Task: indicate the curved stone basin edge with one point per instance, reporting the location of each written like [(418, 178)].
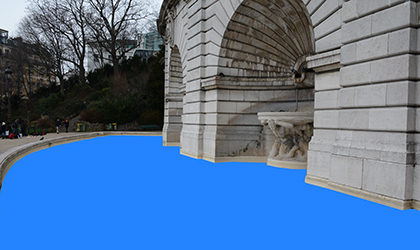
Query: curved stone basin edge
[(12, 155)]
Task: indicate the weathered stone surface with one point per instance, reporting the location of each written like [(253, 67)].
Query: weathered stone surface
[(346, 171), (416, 183), (326, 100), (389, 179), (227, 61), (328, 26)]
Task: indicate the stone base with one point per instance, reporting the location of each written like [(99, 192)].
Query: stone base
[(416, 205), (171, 144), (255, 159), (381, 199), (171, 134), (286, 164)]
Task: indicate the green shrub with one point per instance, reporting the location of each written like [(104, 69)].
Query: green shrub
[(95, 96), (151, 117), (71, 107), (121, 109), (45, 122), (92, 116), (52, 101)]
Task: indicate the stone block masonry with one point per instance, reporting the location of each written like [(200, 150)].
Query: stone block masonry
[(354, 62)]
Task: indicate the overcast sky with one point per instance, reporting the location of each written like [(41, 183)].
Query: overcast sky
[(14, 10)]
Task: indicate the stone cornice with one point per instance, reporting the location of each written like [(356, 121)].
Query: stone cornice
[(325, 61), (219, 82)]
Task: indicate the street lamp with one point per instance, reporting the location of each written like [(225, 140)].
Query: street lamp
[(8, 73)]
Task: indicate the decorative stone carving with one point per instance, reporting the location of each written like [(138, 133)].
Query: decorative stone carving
[(293, 131), (169, 33)]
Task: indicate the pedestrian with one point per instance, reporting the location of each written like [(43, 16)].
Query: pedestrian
[(3, 130), (15, 127), (58, 125), (24, 127), (84, 105), (66, 124)]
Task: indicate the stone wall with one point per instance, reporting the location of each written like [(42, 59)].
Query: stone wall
[(232, 59), (173, 98), (365, 138)]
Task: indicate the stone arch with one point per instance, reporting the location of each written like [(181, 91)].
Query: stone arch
[(173, 99), (267, 39), (175, 71)]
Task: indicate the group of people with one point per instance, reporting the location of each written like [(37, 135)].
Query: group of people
[(58, 125), (17, 129)]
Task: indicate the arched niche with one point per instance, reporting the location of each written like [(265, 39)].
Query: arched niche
[(267, 39), (174, 88), (175, 71)]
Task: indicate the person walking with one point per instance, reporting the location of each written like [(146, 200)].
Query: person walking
[(3, 130), (15, 127), (24, 127), (66, 124), (58, 125)]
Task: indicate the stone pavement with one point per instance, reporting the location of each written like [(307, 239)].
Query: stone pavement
[(11, 150), (7, 144)]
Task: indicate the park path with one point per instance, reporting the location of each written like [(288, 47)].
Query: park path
[(11, 150), (6, 144)]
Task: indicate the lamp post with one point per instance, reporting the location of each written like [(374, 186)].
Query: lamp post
[(8, 73)]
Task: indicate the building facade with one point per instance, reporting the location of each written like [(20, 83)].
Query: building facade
[(145, 47), (30, 71), (240, 74)]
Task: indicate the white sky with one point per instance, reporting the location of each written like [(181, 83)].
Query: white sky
[(13, 10)]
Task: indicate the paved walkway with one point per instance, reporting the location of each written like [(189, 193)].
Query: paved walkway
[(11, 150), (7, 144)]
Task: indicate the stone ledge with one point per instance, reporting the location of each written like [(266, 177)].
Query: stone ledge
[(377, 198), (12, 155), (254, 83), (286, 164), (326, 61), (255, 159), (171, 144)]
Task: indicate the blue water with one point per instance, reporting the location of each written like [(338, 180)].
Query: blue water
[(128, 192)]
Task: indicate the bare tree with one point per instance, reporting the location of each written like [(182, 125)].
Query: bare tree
[(63, 25), (21, 66), (150, 23), (47, 45), (114, 26)]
